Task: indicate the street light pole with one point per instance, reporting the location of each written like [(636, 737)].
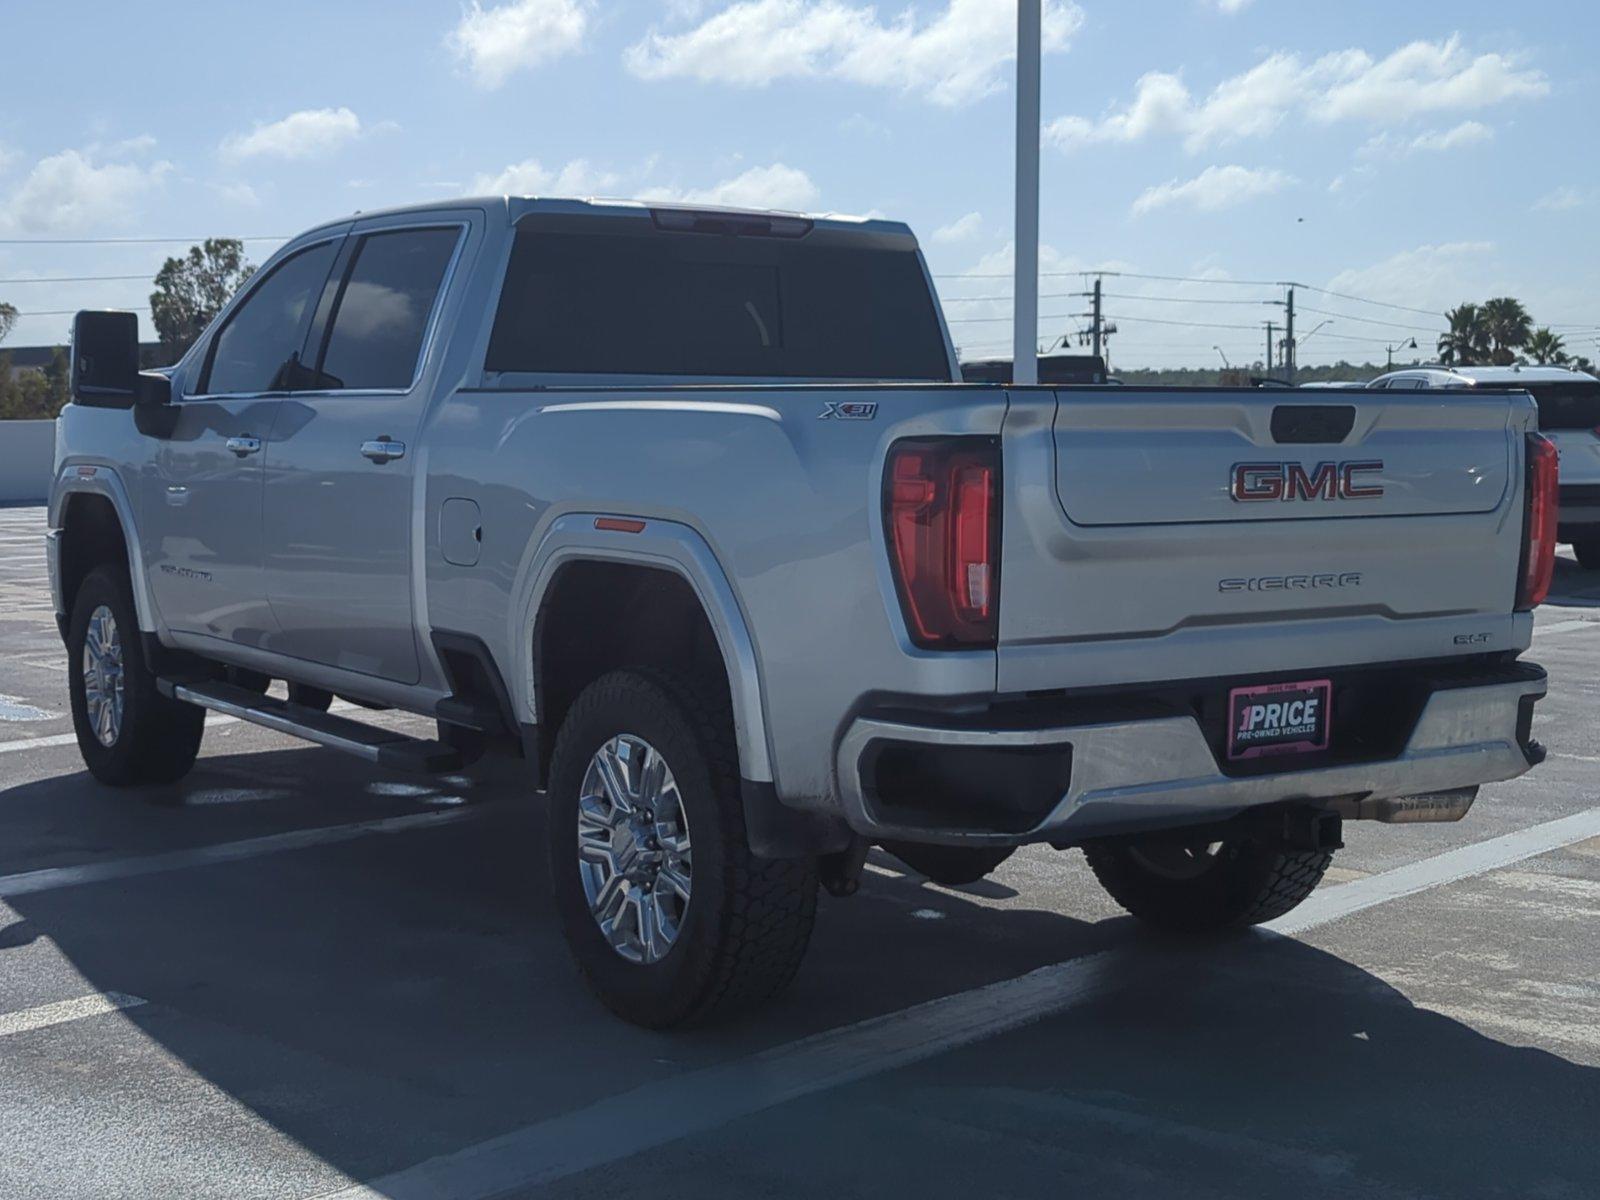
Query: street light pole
[(1025, 291), (1408, 344)]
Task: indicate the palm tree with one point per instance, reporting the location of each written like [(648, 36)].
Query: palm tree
[(1545, 347), (1509, 327), (1467, 342)]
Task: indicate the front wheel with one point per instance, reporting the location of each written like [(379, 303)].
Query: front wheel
[(669, 915), (1205, 886), (128, 732)]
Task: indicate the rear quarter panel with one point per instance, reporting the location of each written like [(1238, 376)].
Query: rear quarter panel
[(787, 500)]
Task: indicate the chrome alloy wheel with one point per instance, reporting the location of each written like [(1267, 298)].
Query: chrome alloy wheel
[(102, 676), (633, 848)]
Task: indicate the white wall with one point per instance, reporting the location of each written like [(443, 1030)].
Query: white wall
[(27, 460)]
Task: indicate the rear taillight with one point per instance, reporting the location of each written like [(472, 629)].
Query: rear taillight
[(942, 511), (1539, 536)]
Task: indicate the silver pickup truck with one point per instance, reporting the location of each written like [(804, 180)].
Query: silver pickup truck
[(685, 508)]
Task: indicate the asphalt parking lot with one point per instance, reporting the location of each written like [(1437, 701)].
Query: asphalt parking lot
[(287, 977)]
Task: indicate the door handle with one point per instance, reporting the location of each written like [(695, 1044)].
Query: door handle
[(383, 450), (243, 446)]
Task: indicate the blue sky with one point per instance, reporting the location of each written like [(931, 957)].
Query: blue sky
[(1420, 154)]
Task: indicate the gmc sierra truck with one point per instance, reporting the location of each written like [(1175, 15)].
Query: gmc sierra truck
[(686, 509)]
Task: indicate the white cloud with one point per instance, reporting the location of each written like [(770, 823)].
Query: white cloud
[(957, 56), (1436, 276), (1424, 77), (1214, 188), (531, 178), (1563, 199), (237, 192), (1232, 6), (1417, 79), (1387, 145), (960, 229), (305, 134), (68, 191), (494, 43), (775, 186)]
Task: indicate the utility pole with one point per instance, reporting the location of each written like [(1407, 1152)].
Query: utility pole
[(1097, 318), (1025, 289), (1270, 328), (1288, 341)]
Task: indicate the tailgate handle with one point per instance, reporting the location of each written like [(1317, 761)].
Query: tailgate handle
[(1312, 422)]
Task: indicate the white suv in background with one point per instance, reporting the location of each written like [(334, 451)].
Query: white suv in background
[(1569, 415)]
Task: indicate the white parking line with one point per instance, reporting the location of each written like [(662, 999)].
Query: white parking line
[(60, 1013), (48, 879), (703, 1100)]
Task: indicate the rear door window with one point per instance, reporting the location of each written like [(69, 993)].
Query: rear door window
[(253, 351), (657, 302), (381, 315), (1573, 405)]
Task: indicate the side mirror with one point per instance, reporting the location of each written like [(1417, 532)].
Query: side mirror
[(105, 359)]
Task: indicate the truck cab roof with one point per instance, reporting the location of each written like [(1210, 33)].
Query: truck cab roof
[(518, 207)]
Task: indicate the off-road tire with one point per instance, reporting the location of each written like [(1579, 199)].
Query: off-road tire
[(748, 919), (158, 738), (951, 866), (1248, 883), (1587, 552)]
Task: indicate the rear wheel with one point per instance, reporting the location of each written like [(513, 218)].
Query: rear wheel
[(1205, 886), (669, 915), (1587, 551), (128, 733)]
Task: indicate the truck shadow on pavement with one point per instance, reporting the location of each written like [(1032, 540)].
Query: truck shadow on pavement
[(392, 998)]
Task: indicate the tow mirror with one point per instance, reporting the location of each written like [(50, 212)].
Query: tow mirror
[(105, 359)]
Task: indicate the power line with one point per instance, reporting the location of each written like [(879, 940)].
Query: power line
[(74, 279), (69, 312), (125, 241), (1324, 312), (1427, 312)]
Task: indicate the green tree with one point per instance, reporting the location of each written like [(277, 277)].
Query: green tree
[(1509, 327), (1545, 347), (8, 320), (191, 290), (1466, 343)]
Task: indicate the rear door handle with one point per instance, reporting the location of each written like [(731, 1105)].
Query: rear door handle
[(383, 450), (243, 446)]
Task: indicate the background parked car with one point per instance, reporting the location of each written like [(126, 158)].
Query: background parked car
[(1569, 415)]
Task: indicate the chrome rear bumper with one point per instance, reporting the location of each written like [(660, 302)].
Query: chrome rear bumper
[(1161, 772)]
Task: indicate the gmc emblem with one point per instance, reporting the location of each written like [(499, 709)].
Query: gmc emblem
[(1291, 481)]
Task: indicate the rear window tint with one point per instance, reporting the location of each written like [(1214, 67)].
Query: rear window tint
[(1567, 405), (654, 302)]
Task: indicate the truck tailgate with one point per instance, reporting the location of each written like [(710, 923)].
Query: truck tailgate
[(1156, 535)]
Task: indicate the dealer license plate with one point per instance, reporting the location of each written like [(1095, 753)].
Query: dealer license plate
[(1279, 718)]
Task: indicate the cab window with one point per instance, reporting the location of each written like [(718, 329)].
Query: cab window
[(264, 335)]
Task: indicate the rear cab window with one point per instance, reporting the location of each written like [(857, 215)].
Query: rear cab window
[(1574, 405), (625, 296)]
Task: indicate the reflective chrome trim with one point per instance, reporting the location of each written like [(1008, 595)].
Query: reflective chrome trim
[(1129, 773), (382, 451), (272, 720)]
